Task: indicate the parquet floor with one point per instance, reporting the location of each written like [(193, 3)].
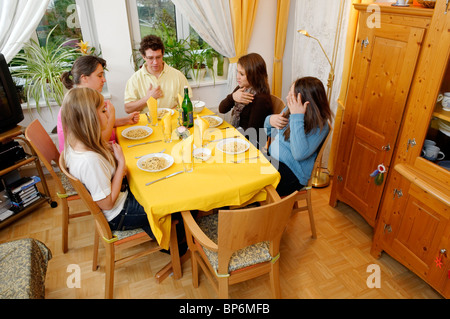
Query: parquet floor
[(332, 266)]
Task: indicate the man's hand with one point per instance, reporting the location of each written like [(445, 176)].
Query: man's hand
[(156, 92)]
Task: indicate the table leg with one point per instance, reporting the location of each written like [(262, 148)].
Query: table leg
[(175, 264)]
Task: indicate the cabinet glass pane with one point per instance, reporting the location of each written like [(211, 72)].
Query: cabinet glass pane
[(436, 147)]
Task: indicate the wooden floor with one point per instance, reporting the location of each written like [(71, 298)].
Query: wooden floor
[(332, 266)]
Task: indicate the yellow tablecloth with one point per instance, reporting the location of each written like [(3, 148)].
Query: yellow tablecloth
[(214, 183)]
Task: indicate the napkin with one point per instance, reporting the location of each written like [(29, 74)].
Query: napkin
[(166, 122), (153, 109), (199, 131), (186, 149)]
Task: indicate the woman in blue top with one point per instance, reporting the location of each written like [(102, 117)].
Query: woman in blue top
[(298, 132)]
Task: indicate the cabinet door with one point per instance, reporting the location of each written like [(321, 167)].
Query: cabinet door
[(418, 229), (381, 76)]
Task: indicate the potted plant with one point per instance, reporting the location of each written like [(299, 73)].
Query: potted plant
[(41, 68), (196, 58)]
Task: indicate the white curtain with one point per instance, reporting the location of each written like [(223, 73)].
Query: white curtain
[(321, 19), (212, 21), (18, 19)]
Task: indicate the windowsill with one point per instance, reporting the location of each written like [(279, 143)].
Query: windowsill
[(53, 103), (206, 82)]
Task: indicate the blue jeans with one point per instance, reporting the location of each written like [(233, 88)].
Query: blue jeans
[(132, 216)]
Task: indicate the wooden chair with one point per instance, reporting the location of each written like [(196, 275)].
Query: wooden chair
[(277, 104), (305, 192), (48, 153), (115, 241), (236, 245)]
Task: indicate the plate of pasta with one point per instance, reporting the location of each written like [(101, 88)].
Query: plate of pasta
[(137, 132), (156, 162), (233, 145), (214, 121), (162, 111)]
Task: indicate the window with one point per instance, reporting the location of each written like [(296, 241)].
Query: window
[(184, 47), (63, 15)]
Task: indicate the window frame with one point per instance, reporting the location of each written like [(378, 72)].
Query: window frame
[(183, 32)]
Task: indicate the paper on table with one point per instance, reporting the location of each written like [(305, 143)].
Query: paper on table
[(166, 122), (153, 109), (199, 131)]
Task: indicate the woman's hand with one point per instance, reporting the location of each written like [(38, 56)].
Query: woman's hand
[(278, 121), (242, 97), (132, 118), (295, 104), (110, 111), (118, 154)]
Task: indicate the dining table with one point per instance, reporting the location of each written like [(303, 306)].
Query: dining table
[(225, 179)]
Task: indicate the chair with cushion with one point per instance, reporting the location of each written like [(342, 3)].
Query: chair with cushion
[(115, 241), (49, 154), (277, 104), (232, 246), (305, 192)]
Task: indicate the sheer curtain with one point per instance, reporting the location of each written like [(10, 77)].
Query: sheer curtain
[(212, 21), (321, 18), (18, 19)]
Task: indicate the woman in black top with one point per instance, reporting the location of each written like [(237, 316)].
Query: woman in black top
[(250, 101)]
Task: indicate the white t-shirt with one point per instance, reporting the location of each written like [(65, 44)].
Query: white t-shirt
[(96, 173)]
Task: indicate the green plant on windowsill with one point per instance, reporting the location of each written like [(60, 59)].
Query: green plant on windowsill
[(41, 68)]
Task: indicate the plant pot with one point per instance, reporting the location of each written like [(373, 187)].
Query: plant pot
[(197, 75)]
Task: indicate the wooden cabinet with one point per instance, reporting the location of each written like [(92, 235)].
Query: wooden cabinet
[(414, 216), (383, 67), (17, 134)]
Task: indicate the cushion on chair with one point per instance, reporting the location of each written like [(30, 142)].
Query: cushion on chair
[(122, 234), (242, 258), (70, 191)]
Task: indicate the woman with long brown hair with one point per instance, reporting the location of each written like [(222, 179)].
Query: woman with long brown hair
[(89, 71), (250, 101), (298, 132)]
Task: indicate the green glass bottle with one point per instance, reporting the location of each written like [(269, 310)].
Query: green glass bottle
[(188, 110)]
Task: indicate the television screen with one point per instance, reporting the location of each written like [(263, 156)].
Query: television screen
[(10, 109)]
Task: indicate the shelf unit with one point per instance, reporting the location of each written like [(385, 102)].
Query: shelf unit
[(17, 133)]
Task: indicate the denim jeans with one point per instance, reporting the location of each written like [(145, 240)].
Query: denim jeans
[(132, 216)]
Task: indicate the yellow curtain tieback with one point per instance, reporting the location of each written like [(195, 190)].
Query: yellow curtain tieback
[(233, 60)]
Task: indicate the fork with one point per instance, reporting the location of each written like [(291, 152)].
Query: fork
[(148, 119), (240, 161), (147, 154)]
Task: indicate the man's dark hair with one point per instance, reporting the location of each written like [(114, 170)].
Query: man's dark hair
[(151, 42)]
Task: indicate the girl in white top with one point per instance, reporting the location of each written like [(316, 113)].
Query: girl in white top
[(98, 165)]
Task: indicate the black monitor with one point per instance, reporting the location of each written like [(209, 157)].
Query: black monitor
[(10, 109)]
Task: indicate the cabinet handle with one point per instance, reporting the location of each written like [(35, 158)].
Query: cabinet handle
[(364, 43), (411, 143), (397, 192), (388, 228)]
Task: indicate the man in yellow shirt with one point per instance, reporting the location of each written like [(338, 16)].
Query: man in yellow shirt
[(155, 78)]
